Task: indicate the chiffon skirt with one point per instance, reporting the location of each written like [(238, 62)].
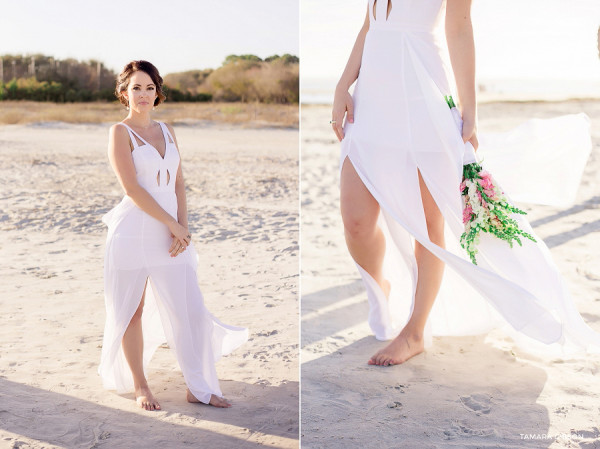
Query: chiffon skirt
[(402, 127), (174, 311)]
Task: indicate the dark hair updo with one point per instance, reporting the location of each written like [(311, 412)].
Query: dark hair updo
[(139, 66)]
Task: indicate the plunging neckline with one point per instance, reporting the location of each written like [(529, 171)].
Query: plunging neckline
[(149, 144)]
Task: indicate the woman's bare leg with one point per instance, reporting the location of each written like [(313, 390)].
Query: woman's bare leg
[(360, 211), (431, 269), (133, 347)]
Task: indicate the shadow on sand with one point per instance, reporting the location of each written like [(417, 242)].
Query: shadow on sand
[(449, 396), (70, 422)]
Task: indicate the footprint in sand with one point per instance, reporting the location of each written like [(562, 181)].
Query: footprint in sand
[(462, 428), (400, 387), (561, 411), (478, 403)]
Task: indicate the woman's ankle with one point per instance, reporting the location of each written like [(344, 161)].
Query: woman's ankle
[(142, 384), (413, 332)]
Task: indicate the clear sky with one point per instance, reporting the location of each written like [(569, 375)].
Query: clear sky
[(539, 39), (175, 35)]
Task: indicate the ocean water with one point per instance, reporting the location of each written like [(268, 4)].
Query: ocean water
[(320, 91)]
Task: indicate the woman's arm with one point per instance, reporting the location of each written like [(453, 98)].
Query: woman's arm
[(182, 217), (342, 101), (119, 155), (461, 46)]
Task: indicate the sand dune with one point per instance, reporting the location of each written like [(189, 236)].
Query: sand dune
[(242, 197)]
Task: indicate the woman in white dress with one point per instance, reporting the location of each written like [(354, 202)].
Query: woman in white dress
[(400, 170), (148, 239)]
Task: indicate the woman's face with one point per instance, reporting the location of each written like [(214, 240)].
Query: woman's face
[(141, 92)]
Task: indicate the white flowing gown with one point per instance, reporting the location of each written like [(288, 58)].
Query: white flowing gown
[(137, 248), (402, 125)]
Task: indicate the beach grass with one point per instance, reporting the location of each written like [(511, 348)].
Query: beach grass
[(247, 114)]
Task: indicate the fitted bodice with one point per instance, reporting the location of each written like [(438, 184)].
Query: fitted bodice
[(401, 51), (406, 15), (154, 173)]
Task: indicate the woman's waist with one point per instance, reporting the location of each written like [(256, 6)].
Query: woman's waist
[(402, 26), (139, 224), (128, 217), (166, 200), (153, 189), (390, 40)]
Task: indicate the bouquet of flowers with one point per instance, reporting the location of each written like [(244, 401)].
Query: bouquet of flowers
[(485, 208)]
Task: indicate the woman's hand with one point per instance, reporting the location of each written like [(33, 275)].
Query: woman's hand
[(469, 132), (181, 238), (176, 247), (342, 105)]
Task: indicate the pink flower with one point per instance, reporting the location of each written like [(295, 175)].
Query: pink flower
[(467, 213), (490, 193), (463, 185), (486, 183), (485, 175)]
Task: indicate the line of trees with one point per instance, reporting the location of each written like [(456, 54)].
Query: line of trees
[(43, 78), (243, 78)]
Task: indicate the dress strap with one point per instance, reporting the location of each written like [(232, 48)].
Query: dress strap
[(131, 136), (165, 129), (135, 143)]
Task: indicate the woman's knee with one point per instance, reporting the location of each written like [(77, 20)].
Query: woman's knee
[(359, 226), (359, 208), (359, 217)]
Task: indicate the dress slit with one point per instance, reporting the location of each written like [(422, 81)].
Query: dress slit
[(387, 317), (402, 127), (137, 258)]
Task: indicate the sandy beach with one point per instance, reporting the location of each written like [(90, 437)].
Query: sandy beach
[(242, 197), (464, 392)]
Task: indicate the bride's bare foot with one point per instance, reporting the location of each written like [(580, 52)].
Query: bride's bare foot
[(145, 398), (402, 348), (215, 401)]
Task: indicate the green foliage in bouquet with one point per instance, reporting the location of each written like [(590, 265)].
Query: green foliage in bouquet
[(485, 207)]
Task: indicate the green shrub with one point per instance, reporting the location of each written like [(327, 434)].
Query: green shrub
[(245, 78)]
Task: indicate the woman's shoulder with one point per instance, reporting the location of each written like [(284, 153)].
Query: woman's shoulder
[(118, 127), (118, 131), (169, 127)]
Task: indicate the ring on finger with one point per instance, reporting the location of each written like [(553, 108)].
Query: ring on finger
[(332, 122)]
